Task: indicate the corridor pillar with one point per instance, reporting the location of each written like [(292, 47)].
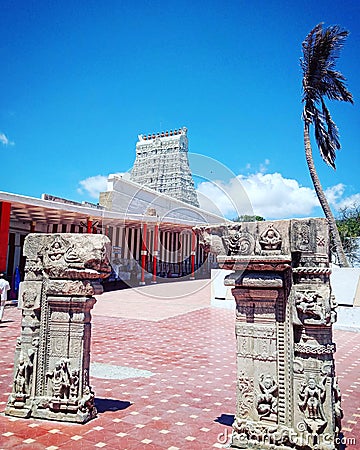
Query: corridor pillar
[(5, 209), (155, 253), (193, 247), (143, 254)]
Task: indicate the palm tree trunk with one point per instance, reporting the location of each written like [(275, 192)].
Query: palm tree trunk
[(343, 262)]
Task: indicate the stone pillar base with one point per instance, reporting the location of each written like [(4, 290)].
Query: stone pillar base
[(52, 357), (287, 392)]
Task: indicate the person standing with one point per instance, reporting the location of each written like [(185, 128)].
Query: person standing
[(4, 288)]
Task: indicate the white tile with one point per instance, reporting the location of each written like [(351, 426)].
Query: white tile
[(76, 437), (190, 438)]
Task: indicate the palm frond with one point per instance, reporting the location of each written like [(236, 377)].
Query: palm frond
[(321, 48), (332, 129), (324, 143), (335, 87)]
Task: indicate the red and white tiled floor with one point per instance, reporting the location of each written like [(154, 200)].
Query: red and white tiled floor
[(187, 403)]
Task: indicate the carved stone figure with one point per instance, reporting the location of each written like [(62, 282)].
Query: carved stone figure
[(60, 380), (52, 359), (23, 374), (87, 401), (270, 239), (267, 400), (20, 377), (309, 307), (312, 396), (284, 316)]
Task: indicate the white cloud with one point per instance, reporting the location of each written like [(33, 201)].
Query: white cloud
[(270, 195), (4, 140), (93, 186), (334, 194), (264, 166), (349, 202), (227, 199)]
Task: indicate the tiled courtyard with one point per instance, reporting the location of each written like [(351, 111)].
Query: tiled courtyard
[(163, 373)]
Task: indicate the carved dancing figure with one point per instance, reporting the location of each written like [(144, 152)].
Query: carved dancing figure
[(312, 397), (267, 401)]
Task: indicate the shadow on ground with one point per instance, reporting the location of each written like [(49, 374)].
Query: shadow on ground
[(225, 419), (109, 404)]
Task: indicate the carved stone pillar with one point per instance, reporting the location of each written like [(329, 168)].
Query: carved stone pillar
[(287, 392), (52, 358)]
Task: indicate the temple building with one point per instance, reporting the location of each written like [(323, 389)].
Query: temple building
[(148, 218), (162, 164)]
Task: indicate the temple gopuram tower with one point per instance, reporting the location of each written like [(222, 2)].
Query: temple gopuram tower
[(162, 164)]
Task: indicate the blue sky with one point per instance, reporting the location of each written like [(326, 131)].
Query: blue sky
[(81, 79)]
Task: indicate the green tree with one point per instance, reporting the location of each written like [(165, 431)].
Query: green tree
[(321, 80), (248, 218), (348, 223)]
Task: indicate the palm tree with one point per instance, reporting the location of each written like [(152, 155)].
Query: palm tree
[(321, 80)]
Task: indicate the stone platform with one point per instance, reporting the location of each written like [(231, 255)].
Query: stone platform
[(172, 357)]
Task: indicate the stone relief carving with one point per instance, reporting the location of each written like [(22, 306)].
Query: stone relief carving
[(310, 307), (312, 397), (315, 307), (309, 349), (270, 239), (284, 316), (87, 401), (259, 331), (23, 374), (30, 295), (52, 374), (72, 257), (29, 298), (239, 242), (267, 399), (298, 366), (337, 404), (74, 384), (245, 394), (60, 380), (302, 236), (320, 241), (56, 250), (211, 240)]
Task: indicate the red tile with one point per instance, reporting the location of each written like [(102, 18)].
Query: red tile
[(191, 356)]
